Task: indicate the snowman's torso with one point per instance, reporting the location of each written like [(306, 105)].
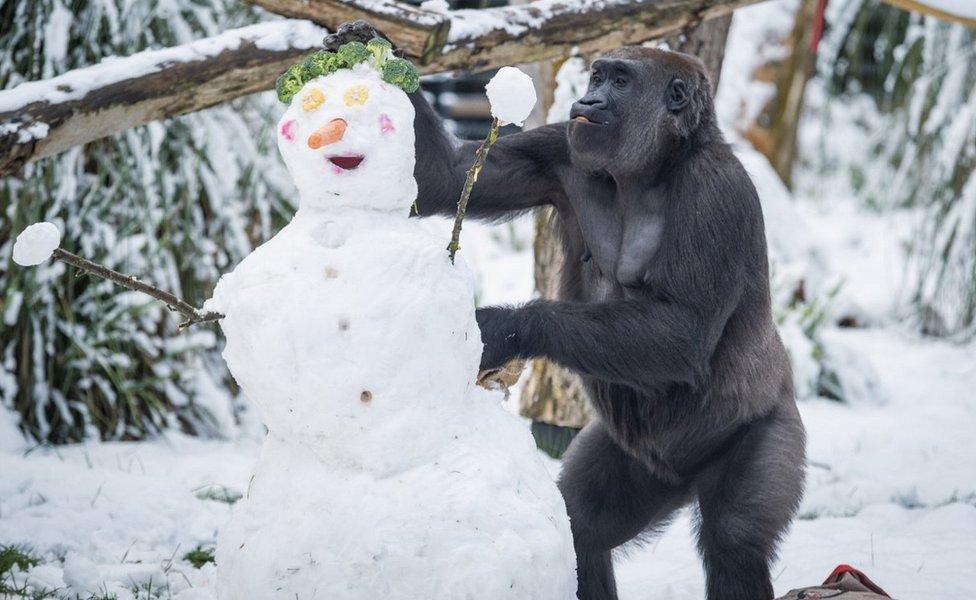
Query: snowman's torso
[(349, 328)]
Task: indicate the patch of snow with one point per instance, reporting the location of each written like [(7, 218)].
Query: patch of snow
[(511, 94), (441, 6), (35, 244)]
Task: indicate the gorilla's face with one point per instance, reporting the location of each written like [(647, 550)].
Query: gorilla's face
[(637, 109)]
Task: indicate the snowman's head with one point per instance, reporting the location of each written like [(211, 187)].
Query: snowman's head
[(347, 139)]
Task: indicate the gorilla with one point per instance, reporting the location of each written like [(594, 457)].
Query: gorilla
[(665, 315)]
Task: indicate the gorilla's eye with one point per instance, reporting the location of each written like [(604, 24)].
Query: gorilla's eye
[(596, 78), (677, 97), (620, 81)]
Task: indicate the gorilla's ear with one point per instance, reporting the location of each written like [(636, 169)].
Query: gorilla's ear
[(677, 96)]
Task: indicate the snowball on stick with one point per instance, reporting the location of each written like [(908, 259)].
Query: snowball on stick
[(511, 95), (41, 241), (36, 244)]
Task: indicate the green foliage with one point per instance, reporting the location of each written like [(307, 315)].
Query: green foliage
[(177, 203), (919, 74), (292, 80), (199, 556), (21, 556), (351, 54), (402, 74), (379, 49), (396, 71)]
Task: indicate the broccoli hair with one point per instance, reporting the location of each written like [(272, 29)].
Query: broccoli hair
[(379, 49), (376, 52), (351, 54), (289, 84), (318, 64), (401, 73)]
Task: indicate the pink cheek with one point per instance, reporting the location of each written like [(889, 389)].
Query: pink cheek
[(336, 169), (288, 130), (386, 125)]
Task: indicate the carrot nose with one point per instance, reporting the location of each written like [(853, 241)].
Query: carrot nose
[(329, 133)]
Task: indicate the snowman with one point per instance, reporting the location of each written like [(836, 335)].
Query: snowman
[(386, 473)]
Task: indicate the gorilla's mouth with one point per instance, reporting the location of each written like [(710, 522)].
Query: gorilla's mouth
[(581, 118), (347, 162)]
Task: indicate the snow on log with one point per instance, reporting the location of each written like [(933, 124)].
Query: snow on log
[(41, 118), (418, 32)]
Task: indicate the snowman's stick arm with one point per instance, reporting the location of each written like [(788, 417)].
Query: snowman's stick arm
[(469, 181), (192, 314), (519, 175)]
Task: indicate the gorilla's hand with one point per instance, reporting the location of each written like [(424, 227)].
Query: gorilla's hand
[(357, 31), (499, 333)]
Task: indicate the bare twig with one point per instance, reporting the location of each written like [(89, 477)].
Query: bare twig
[(192, 314), (473, 172)]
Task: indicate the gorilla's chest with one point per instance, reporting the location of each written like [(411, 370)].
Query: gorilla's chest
[(621, 232)]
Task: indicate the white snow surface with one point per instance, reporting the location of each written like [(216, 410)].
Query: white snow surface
[(75, 84), (511, 95), (356, 337), (35, 244)]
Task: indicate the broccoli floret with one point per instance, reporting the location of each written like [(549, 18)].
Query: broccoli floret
[(289, 83), (318, 64), (379, 49), (351, 54), (401, 73)]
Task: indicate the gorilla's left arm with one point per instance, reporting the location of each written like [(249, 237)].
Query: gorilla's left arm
[(668, 332)]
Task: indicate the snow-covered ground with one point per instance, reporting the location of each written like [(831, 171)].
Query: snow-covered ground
[(891, 484)]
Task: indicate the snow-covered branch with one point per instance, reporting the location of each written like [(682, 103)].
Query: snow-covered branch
[(42, 118)]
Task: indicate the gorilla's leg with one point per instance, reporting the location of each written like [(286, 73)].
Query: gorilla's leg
[(611, 498), (746, 500)]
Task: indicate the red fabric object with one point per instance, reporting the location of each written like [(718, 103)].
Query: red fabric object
[(818, 25), (842, 569)]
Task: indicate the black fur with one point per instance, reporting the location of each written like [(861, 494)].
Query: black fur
[(665, 314)]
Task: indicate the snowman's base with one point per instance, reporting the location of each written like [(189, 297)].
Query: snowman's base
[(481, 521)]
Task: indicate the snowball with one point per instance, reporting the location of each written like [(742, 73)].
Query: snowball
[(35, 244), (511, 95)]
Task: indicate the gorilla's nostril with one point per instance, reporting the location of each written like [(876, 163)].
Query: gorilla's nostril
[(329, 133)]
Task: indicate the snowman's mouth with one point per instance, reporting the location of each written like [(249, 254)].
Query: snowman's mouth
[(347, 162)]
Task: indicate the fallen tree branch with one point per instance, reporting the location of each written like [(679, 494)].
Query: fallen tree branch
[(39, 119), (42, 118), (192, 314)]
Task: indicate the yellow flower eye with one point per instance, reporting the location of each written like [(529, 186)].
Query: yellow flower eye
[(312, 99), (357, 94)]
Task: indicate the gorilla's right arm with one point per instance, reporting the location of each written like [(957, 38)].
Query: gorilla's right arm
[(519, 173)]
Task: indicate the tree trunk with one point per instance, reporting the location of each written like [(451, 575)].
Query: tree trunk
[(776, 127), (553, 397)]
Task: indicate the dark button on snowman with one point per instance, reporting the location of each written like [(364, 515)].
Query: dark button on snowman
[(386, 473)]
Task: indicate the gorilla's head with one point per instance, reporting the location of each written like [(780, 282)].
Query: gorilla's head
[(642, 106)]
